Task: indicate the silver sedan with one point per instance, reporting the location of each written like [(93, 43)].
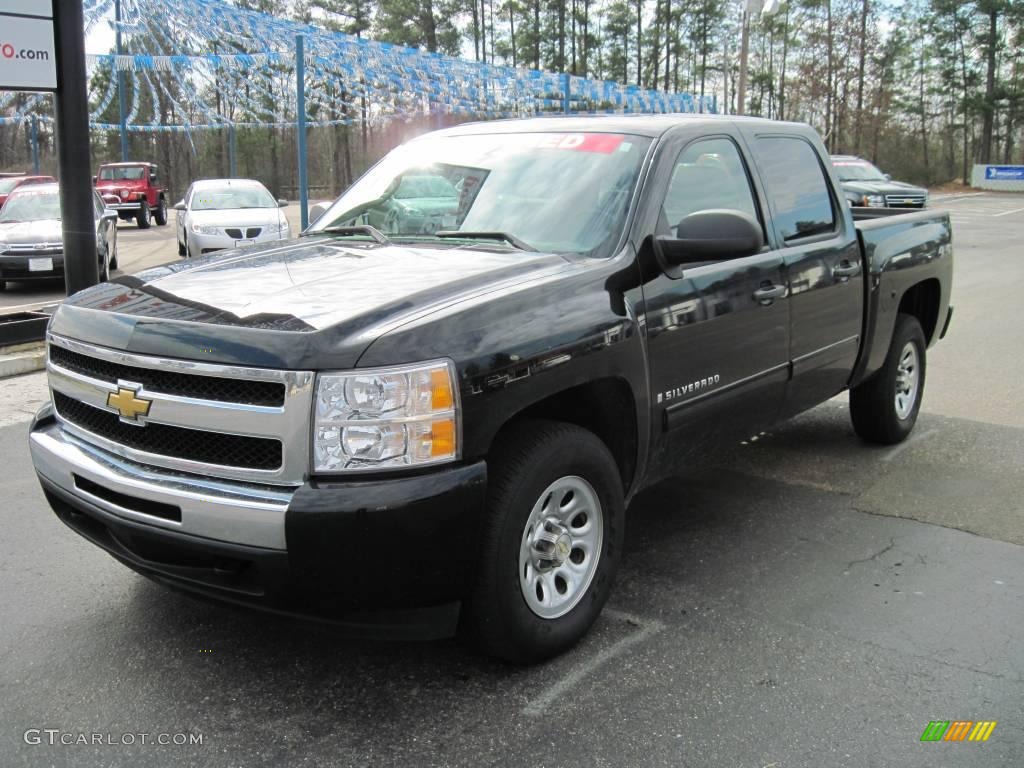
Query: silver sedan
[(217, 214)]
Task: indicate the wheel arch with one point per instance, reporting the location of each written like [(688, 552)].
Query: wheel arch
[(604, 406), (922, 300)]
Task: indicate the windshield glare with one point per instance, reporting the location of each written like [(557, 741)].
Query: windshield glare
[(222, 198), (31, 207), (120, 173), (558, 192), (858, 172)]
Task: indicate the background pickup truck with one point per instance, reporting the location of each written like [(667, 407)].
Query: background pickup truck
[(441, 427)]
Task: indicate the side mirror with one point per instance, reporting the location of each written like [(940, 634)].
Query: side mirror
[(317, 211), (152, 178), (887, 177), (180, 205), (712, 235), (281, 203), (110, 199)]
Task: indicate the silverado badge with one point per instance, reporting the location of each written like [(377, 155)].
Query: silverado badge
[(128, 404)]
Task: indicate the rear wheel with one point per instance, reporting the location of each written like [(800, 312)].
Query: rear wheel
[(551, 544), (160, 215), (113, 253), (104, 268), (142, 218), (884, 409)]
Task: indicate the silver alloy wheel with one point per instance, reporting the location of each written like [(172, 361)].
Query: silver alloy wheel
[(561, 547), (907, 381)]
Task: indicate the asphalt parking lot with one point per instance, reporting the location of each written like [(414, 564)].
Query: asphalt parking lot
[(803, 601)]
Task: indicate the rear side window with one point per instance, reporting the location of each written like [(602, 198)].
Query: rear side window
[(797, 188)]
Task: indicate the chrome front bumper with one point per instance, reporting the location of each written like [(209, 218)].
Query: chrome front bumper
[(233, 512)]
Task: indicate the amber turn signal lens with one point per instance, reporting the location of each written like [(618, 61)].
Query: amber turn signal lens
[(442, 438), (441, 397)]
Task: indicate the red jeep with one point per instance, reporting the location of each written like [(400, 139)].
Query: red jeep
[(138, 190)]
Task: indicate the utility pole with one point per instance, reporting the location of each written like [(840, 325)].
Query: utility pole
[(300, 85), (121, 103), (741, 86), (81, 267)]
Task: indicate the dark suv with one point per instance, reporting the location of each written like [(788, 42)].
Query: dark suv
[(866, 186)]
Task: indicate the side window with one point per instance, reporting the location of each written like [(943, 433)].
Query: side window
[(796, 186), (708, 174), (98, 204)]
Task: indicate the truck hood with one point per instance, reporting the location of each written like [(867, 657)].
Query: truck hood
[(883, 188), (317, 301)]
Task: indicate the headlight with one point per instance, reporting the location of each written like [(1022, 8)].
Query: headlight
[(278, 227), (387, 417), (874, 201), (201, 229)]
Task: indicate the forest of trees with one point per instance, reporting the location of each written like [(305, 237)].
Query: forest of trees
[(925, 88)]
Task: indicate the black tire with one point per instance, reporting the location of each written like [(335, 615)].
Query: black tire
[(142, 218), (188, 249), (181, 248), (530, 457), (113, 255), (3, 285), (160, 214), (873, 407), (104, 268)]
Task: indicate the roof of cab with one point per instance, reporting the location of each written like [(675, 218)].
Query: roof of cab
[(638, 125)]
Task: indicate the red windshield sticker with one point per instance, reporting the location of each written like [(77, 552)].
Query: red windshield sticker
[(604, 143)]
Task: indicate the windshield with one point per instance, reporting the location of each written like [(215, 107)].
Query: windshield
[(6, 185), (119, 173), (558, 192), (860, 171), (31, 206), (221, 198)]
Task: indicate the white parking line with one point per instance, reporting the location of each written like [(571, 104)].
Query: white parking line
[(1007, 213), (648, 627), (34, 305)]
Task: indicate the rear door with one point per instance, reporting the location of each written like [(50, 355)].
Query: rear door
[(717, 333), (823, 265)]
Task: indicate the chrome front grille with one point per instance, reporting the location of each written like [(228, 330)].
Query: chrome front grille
[(249, 424), (905, 201)]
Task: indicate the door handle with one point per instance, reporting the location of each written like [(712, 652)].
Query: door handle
[(845, 269), (769, 293)]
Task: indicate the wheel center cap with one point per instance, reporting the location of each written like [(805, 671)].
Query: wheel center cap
[(562, 548), (551, 545)]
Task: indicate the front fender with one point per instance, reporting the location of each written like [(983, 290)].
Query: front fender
[(518, 347)]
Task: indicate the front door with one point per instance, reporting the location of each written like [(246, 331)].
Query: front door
[(717, 333)]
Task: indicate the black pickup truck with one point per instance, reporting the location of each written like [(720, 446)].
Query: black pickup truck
[(440, 426)]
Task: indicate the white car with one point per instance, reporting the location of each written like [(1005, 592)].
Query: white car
[(217, 214)]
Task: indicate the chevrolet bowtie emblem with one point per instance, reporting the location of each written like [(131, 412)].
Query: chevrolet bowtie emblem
[(127, 404)]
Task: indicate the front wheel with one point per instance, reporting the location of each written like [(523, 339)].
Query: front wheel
[(142, 218), (552, 541), (884, 408), (160, 214)]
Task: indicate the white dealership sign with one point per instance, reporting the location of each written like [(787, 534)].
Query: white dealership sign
[(28, 55)]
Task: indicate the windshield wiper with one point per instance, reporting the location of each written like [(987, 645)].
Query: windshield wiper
[(357, 229), (479, 234)]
